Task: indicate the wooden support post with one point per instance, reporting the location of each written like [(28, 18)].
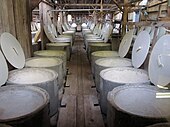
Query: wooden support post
[(125, 18), (15, 18), (34, 3), (118, 5), (168, 8)]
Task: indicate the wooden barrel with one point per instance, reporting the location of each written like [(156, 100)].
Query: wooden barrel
[(136, 106), (54, 64), (24, 106), (41, 77), (60, 46), (98, 46), (105, 63), (101, 54), (114, 77), (52, 53)]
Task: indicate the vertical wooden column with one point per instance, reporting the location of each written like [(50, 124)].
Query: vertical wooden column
[(125, 17), (168, 8), (15, 18)]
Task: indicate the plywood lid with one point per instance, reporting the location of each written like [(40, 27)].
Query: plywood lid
[(159, 63), (3, 69), (125, 43), (140, 49), (12, 50)]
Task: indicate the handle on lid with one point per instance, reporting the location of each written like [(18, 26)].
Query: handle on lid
[(138, 49), (160, 64)]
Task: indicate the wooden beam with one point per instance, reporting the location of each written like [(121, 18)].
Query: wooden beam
[(50, 4), (34, 3), (83, 5), (80, 10), (120, 7), (125, 18)]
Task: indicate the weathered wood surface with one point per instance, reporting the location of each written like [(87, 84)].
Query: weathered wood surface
[(34, 3), (80, 99), (15, 19)]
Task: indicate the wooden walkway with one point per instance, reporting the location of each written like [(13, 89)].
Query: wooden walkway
[(79, 104)]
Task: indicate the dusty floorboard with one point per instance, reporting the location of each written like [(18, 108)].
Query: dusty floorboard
[(79, 104)]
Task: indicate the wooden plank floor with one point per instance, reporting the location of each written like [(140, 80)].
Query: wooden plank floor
[(79, 104)]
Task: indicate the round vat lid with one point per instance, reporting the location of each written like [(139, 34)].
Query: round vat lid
[(152, 33), (148, 29), (19, 102), (54, 31), (159, 63), (161, 32), (125, 43), (140, 49), (141, 29), (12, 50), (3, 69)]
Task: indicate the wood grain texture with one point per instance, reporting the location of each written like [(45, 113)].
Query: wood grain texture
[(15, 19), (80, 82)]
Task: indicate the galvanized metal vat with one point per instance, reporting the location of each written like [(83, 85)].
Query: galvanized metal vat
[(101, 54), (114, 77), (136, 106), (52, 53), (54, 64), (105, 63), (60, 46), (24, 106), (41, 77), (98, 46)]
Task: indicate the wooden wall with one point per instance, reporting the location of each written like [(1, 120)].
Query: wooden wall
[(156, 10), (15, 19)]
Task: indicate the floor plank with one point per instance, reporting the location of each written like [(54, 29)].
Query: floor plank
[(80, 103), (93, 115), (70, 110)]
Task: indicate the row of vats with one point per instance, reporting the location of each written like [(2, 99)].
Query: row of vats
[(30, 95), (129, 96)]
